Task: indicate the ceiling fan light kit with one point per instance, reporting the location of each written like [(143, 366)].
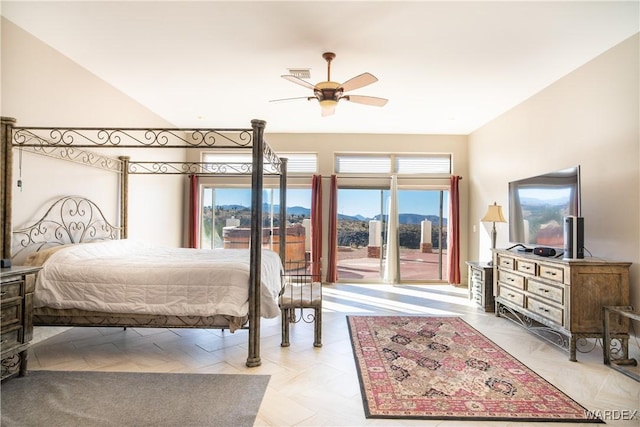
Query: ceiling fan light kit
[(328, 93)]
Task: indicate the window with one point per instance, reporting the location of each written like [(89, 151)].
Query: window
[(429, 165), (387, 164), (226, 219), (363, 164), (303, 163)]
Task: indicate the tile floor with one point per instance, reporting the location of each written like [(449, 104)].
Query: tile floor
[(319, 386)]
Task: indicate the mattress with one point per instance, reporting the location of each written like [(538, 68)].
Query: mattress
[(128, 276)]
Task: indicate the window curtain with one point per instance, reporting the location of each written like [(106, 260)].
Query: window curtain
[(332, 264), (453, 239), (392, 253), (193, 211), (316, 226)]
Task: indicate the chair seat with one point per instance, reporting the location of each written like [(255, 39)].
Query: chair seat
[(305, 295)]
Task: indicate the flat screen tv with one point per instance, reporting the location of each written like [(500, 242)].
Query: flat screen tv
[(538, 205)]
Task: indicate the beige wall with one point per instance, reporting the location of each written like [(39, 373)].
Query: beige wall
[(590, 117), (41, 87)]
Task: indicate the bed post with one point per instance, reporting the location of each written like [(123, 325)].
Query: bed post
[(283, 211), (124, 197), (6, 175), (255, 260)]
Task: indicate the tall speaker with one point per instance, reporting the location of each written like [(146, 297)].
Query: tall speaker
[(573, 237)]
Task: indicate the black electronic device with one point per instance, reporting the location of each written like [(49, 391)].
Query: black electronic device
[(573, 237), (542, 251), (5, 262)]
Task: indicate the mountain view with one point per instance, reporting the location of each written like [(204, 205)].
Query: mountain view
[(353, 230)]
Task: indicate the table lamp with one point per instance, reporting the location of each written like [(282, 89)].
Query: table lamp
[(493, 215)]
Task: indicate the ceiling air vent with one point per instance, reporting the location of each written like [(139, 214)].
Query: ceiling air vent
[(302, 73)]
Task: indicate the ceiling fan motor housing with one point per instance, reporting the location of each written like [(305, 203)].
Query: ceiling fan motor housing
[(328, 91)]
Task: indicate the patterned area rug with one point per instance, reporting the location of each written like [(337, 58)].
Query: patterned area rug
[(442, 368)]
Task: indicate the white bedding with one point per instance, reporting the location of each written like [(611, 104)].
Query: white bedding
[(125, 276)]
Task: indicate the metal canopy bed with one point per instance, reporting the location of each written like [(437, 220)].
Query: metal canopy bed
[(79, 145)]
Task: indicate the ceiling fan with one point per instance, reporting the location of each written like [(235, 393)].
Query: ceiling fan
[(328, 93)]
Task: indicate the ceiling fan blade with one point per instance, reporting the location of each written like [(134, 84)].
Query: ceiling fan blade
[(357, 82), (292, 99), (298, 80), (367, 100)]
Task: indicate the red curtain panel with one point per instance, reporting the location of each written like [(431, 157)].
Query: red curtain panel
[(453, 241), (316, 226), (332, 265)]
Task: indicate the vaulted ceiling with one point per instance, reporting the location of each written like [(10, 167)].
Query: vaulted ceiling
[(446, 67)]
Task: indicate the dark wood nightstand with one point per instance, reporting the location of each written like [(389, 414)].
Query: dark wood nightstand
[(17, 285)]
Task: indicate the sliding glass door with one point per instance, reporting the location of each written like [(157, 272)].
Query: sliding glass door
[(361, 233), (363, 230)]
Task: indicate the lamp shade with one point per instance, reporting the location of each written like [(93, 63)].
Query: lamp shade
[(328, 107), (494, 214), (328, 103)]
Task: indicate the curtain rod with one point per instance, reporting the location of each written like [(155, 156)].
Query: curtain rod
[(289, 177), (388, 177)]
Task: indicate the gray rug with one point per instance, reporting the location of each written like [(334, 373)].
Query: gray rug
[(62, 398)]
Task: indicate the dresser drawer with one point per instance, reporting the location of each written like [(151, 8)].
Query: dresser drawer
[(11, 314), (511, 279), (476, 286), (477, 298), (506, 262), (11, 290), (528, 267), (552, 272), (553, 293), (545, 310), (512, 295), (10, 339), (477, 274)]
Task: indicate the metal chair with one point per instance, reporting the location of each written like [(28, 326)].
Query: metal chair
[(302, 291)]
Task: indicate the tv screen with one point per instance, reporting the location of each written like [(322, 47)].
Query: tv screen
[(538, 205)]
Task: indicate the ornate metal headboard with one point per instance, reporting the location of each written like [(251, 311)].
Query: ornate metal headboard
[(69, 220)]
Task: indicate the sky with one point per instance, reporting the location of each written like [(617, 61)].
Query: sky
[(350, 201)]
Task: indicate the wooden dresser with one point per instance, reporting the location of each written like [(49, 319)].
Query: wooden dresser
[(560, 300), (16, 306), (480, 276)]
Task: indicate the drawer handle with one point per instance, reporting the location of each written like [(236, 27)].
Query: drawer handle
[(526, 267), (511, 295), (3, 293), (546, 310), (551, 273)]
